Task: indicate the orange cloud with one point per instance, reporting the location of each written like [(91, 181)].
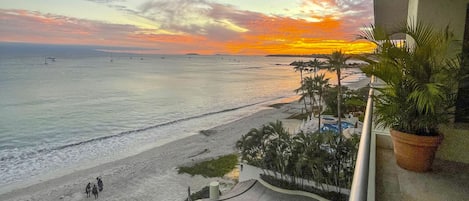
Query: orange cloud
[(275, 35), (263, 34)]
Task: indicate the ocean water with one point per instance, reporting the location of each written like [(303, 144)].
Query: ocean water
[(89, 107)]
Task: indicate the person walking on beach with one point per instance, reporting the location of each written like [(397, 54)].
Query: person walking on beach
[(88, 190), (95, 191), (100, 184)]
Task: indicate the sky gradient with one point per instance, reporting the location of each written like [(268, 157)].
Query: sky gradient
[(251, 27)]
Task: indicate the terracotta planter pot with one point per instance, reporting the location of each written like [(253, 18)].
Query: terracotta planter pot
[(413, 152)]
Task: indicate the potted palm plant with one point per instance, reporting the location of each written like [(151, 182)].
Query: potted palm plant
[(419, 91)]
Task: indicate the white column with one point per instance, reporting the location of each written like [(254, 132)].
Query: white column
[(214, 190)]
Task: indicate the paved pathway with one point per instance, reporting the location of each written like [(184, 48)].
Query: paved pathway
[(446, 181), (252, 188)]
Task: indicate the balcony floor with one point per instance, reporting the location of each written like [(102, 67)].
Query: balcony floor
[(446, 181)]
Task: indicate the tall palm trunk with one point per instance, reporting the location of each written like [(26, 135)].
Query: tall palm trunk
[(312, 103), (337, 61), (339, 100), (302, 86), (320, 110)]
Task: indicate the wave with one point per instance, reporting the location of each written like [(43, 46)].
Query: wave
[(254, 67), (47, 150)]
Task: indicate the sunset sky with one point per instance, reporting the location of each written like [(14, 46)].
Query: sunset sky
[(252, 27)]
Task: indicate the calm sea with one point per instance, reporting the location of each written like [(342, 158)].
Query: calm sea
[(89, 107)]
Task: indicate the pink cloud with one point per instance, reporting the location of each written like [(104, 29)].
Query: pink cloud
[(31, 26), (219, 28)]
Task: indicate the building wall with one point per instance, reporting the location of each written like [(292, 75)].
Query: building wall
[(440, 13), (389, 14)]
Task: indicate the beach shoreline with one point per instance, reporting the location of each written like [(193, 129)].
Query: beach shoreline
[(152, 174)]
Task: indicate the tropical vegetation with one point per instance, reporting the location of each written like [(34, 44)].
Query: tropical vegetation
[(330, 195), (312, 88), (353, 101), (317, 86), (301, 66), (317, 90), (308, 84), (325, 158), (336, 62), (320, 85), (421, 77)]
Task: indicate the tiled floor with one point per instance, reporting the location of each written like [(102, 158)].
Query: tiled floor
[(447, 181)]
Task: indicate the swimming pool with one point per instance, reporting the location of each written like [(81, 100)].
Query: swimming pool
[(334, 127)]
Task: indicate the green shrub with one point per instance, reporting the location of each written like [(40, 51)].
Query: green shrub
[(331, 195), (212, 168), (301, 116)]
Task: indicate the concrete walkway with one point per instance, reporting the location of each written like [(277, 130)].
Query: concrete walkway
[(255, 191), (252, 188), (447, 180)]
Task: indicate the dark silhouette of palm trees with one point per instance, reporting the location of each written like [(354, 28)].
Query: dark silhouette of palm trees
[(315, 65), (306, 90), (312, 88), (336, 61), (300, 66), (320, 83), (306, 84)]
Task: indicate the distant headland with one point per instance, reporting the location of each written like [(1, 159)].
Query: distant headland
[(308, 55), (298, 55)]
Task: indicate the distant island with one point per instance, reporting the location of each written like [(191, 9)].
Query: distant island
[(324, 56), (298, 55), (192, 54)]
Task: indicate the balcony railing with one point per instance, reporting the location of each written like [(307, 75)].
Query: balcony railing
[(363, 185)]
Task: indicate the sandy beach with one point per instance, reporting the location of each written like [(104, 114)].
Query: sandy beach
[(152, 175), (361, 83)]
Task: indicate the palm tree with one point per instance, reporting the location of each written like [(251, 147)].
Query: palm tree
[(314, 65), (336, 62), (317, 159), (307, 91), (300, 143), (320, 84), (303, 92), (304, 155), (250, 146), (276, 141), (300, 66), (421, 78)]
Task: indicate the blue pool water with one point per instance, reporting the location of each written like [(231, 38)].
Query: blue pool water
[(334, 127)]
